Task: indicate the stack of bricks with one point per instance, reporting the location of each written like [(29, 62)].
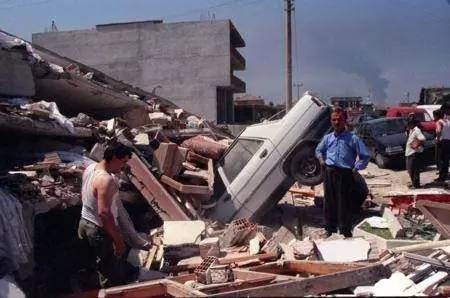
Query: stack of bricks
[(238, 232), (202, 272)]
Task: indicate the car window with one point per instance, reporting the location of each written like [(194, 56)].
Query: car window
[(238, 156), (388, 127)]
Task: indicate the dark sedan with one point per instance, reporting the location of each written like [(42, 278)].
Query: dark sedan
[(385, 138)]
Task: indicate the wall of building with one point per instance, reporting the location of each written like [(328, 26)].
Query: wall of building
[(189, 60)]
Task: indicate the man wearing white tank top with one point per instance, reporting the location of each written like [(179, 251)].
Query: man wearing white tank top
[(443, 138), (99, 218)]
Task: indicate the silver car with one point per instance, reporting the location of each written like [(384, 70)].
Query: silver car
[(267, 158)]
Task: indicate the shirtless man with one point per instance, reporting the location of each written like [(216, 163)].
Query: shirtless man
[(99, 217)]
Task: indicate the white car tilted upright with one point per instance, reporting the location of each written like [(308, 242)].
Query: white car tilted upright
[(267, 158)]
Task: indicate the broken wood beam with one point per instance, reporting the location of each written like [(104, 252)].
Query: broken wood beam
[(223, 261), (186, 188), (159, 288), (316, 285), (421, 246), (438, 214), (156, 195), (433, 262)]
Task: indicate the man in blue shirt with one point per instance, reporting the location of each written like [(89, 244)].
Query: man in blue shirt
[(341, 152)]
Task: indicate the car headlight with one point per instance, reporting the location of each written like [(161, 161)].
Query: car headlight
[(394, 149)]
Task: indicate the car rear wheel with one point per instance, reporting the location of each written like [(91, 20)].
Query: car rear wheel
[(305, 168), (381, 161)]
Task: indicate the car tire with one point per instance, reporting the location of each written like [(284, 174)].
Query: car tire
[(381, 161), (305, 168)]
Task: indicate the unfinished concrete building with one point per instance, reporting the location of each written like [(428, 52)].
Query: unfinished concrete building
[(192, 63)]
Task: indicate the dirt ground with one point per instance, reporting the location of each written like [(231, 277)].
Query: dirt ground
[(381, 183)]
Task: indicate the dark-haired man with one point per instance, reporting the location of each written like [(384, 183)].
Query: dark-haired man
[(338, 151), (413, 151), (99, 217)]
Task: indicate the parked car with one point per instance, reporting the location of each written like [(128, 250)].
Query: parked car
[(426, 121), (267, 158), (385, 138), (429, 109)]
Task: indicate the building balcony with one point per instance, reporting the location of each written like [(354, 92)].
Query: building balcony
[(237, 60), (237, 85)]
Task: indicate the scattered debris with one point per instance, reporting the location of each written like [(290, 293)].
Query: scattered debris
[(345, 250)]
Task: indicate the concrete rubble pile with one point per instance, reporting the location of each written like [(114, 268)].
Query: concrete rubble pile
[(247, 259), (60, 115)]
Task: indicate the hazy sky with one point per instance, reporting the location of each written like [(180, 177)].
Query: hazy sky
[(343, 47)]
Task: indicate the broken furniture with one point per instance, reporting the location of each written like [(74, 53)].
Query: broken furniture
[(438, 214), (159, 288)]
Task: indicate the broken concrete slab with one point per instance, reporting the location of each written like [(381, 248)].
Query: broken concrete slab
[(283, 235), (183, 232), (24, 125), (16, 78), (346, 250), (396, 285), (302, 249), (209, 247)]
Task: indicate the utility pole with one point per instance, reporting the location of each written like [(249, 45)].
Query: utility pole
[(289, 7), (298, 85)]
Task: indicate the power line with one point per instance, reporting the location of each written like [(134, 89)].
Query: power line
[(197, 10), (24, 4)]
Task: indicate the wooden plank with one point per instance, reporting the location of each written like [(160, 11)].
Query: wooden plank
[(158, 288), (196, 158), (316, 285), (306, 267), (177, 290), (154, 192), (421, 246), (151, 256), (438, 214), (185, 188), (211, 177), (223, 261), (143, 289), (434, 262), (236, 285)]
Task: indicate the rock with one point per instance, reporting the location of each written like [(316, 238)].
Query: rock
[(345, 250), (183, 232)]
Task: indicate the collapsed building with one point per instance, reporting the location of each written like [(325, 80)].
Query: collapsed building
[(51, 114), (56, 117)]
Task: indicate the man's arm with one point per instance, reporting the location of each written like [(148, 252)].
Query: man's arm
[(438, 130), (105, 189), (363, 154), (420, 137), (321, 150)]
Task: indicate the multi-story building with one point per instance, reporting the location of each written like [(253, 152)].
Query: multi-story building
[(190, 63)]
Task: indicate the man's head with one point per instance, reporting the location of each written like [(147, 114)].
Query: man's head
[(437, 114), (338, 120), (116, 156), (412, 122)]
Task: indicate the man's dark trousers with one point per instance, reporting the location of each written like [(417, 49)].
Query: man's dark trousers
[(445, 157), (414, 166), (112, 270), (337, 206)]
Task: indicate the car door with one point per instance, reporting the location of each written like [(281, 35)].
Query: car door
[(256, 156)]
